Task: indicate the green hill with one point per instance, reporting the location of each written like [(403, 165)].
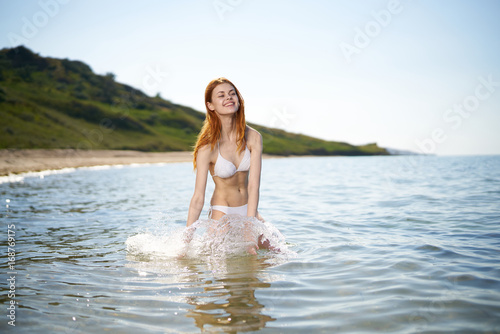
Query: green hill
[(60, 103)]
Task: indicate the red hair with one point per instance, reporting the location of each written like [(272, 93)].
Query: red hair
[(211, 131)]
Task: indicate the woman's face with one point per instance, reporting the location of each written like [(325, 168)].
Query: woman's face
[(224, 100)]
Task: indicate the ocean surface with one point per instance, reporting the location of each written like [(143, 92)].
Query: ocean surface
[(361, 245)]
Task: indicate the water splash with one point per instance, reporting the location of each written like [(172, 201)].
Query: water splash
[(230, 236)]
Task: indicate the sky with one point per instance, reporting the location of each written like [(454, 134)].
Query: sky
[(418, 75)]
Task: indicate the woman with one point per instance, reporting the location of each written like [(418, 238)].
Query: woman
[(232, 152)]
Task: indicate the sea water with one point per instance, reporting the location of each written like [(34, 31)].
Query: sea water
[(363, 244)]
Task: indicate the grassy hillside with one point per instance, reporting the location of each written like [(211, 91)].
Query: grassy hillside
[(59, 103)]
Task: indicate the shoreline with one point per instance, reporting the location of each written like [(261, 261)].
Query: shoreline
[(16, 161)]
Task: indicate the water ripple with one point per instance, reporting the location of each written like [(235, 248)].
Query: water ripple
[(416, 252)]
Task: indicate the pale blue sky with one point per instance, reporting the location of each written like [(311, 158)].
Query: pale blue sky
[(409, 74)]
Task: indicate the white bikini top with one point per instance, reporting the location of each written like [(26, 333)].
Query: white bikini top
[(224, 168)]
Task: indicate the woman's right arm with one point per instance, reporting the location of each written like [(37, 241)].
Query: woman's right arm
[(198, 199)]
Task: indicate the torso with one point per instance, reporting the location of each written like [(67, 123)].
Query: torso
[(230, 190)]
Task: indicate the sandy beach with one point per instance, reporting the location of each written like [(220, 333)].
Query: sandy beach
[(13, 161)]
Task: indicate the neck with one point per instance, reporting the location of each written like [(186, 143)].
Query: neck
[(228, 131)]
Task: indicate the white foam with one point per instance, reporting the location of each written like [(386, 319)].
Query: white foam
[(230, 236), (11, 178), (21, 176)]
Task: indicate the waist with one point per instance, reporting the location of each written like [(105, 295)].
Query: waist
[(230, 210), (229, 196)]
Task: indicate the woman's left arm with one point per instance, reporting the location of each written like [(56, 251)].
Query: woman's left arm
[(255, 146)]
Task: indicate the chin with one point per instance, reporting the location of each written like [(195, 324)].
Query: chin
[(228, 112)]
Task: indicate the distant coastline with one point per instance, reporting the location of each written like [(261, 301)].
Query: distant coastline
[(49, 103)]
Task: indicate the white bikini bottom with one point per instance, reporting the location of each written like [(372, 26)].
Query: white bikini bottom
[(229, 210)]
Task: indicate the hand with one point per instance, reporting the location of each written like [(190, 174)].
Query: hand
[(186, 237), (188, 234), (252, 249)]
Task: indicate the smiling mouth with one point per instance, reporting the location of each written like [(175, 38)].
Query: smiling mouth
[(229, 104)]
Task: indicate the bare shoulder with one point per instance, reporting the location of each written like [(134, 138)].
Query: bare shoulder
[(205, 154), (254, 138)]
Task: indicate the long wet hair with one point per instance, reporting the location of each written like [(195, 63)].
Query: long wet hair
[(211, 131)]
